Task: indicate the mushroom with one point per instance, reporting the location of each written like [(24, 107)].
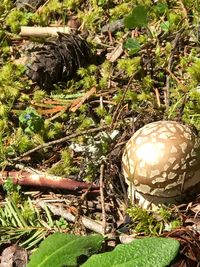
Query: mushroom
[(161, 163)]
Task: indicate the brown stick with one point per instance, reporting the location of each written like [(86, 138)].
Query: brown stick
[(42, 31), (59, 141), (44, 180), (60, 211), (102, 198), (157, 97)]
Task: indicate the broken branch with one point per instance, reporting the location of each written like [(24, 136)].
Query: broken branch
[(43, 31), (44, 180), (60, 211), (59, 141)]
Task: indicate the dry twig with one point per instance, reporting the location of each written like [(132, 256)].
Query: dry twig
[(60, 211), (43, 31), (60, 141), (102, 197)]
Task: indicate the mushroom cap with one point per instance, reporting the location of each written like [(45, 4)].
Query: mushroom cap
[(162, 159)]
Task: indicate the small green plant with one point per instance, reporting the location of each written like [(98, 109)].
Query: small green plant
[(120, 10), (87, 75), (92, 17), (153, 223), (71, 4), (21, 142), (10, 187), (194, 72), (106, 69), (21, 221), (48, 12), (31, 121), (52, 130), (6, 5), (10, 83), (12, 190), (138, 17), (129, 65), (39, 95), (65, 166), (100, 111), (132, 45)]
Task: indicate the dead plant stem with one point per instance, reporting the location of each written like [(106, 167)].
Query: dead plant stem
[(102, 197)]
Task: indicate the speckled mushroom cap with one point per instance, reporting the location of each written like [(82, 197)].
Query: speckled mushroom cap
[(162, 159)]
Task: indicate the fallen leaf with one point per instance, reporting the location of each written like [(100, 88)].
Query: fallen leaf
[(77, 103), (14, 256), (115, 54)]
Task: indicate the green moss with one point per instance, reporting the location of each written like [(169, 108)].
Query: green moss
[(129, 65), (147, 83), (22, 142), (52, 130), (88, 77), (65, 166), (153, 223), (17, 18), (3, 125), (175, 20), (90, 172), (100, 111), (10, 83), (194, 71), (4, 48), (145, 97), (66, 156), (4, 110), (86, 122), (49, 13), (72, 4), (28, 211), (121, 10), (84, 108), (92, 18), (108, 119), (5, 6), (24, 98), (39, 95), (105, 74), (131, 95), (118, 96), (192, 108)]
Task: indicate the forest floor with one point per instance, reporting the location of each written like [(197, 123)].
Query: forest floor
[(70, 102)]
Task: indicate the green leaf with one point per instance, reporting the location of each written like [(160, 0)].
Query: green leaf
[(63, 250), (138, 17), (31, 120), (161, 8), (145, 252), (132, 45), (165, 26)]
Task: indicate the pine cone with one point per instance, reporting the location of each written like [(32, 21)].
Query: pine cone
[(58, 60)]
